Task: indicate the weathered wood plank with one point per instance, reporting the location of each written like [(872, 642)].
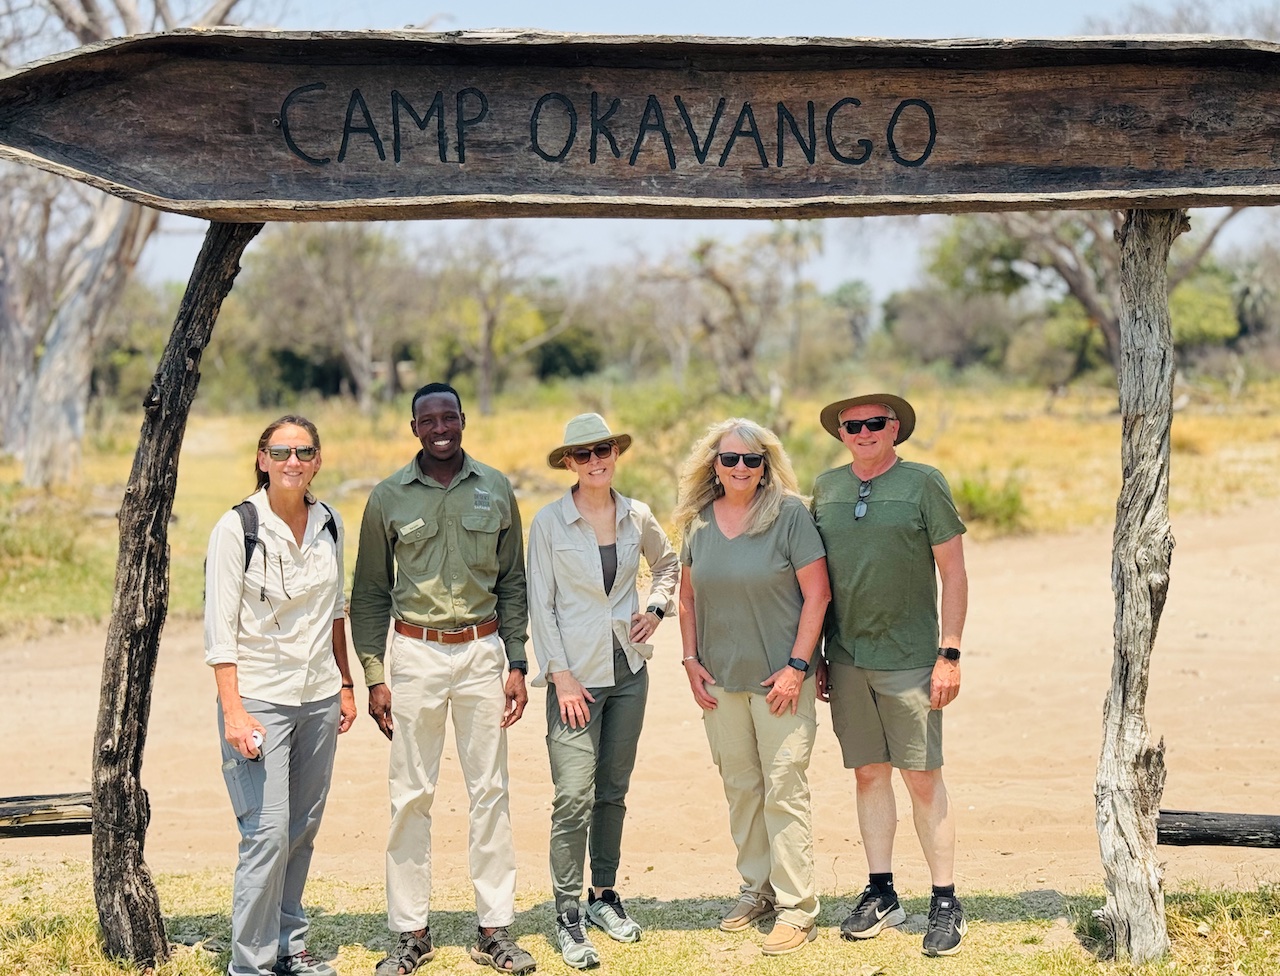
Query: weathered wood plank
[(1191, 828), (46, 815), (242, 125)]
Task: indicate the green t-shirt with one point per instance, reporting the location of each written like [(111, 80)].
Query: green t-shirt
[(884, 590), (746, 598)]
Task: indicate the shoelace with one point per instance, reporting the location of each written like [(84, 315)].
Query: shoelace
[(942, 912), (615, 903), (304, 958)]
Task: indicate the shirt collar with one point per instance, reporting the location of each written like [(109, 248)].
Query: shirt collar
[(569, 511), (413, 472)]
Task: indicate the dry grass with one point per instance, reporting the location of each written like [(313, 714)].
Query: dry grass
[(57, 552), (47, 926)]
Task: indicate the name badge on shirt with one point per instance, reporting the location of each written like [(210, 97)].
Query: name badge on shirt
[(406, 529), (482, 500)]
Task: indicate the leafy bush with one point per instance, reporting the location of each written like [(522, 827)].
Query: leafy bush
[(999, 507)]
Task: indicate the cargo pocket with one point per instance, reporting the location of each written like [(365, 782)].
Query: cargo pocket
[(244, 786)]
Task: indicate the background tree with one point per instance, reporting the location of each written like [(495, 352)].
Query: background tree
[(66, 251), (347, 289)]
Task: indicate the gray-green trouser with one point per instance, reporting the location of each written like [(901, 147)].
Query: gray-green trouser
[(278, 803), (591, 769)]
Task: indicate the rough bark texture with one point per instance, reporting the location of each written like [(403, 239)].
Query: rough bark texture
[(128, 906), (1131, 770), (1195, 828)]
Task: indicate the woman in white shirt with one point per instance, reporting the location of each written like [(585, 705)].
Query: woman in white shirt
[(590, 639), (275, 637)]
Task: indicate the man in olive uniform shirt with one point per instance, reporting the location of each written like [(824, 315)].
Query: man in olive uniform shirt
[(441, 563), (892, 661)]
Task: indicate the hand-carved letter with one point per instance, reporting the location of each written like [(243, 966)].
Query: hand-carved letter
[(284, 124)]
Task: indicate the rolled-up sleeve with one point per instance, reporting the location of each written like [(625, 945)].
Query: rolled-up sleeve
[(548, 646), (663, 564), (223, 591)]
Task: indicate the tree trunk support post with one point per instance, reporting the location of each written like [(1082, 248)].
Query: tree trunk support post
[(1131, 770), (127, 902)]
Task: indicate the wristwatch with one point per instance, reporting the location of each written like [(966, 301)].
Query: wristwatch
[(657, 612), (800, 665), (950, 653), (521, 666)]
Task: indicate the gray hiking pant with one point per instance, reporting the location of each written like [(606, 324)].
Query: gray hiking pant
[(278, 803)]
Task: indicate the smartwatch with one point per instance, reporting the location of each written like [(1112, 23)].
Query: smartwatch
[(800, 665), (950, 653), (657, 612)]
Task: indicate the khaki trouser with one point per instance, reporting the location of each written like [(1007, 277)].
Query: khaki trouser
[(425, 679), (764, 762)]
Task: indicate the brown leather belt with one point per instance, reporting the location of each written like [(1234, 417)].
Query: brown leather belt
[(474, 632)]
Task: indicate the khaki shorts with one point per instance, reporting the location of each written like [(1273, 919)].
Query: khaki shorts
[(884, 716)]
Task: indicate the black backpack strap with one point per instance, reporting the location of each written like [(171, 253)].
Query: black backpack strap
[(332, 524), (249, 522)]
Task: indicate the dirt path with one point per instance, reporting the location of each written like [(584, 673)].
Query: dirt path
[(1022, 738)]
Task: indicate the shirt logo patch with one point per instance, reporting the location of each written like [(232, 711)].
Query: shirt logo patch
[(482, 502)]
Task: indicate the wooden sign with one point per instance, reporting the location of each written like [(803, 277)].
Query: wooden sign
[(239, 125)]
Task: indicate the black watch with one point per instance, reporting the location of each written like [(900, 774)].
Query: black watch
[(521, 666), (657, 612), (950, 653), (800, 665)]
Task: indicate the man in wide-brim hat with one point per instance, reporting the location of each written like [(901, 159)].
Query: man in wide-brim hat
[(892, 661)]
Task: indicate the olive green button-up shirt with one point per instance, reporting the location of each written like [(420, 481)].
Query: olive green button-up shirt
[(439, 557)]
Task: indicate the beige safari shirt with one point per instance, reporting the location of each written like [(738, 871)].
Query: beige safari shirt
[(574, 620), (439, 557), (274, 620)]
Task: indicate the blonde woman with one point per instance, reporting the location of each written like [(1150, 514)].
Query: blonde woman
[(752, 599), (591, 640), (275, 636)]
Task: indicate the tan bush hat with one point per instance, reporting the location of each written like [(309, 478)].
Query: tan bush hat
[(906, 413), (583, 431)]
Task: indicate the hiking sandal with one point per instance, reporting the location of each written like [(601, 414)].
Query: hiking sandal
[(411, 951), (502, 953)]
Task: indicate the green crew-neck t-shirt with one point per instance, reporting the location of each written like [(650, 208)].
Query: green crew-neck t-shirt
[(884, 590), (746, 598)]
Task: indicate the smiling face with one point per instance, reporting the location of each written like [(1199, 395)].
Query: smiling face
[(595, 472), (739, 481), (870, 448), (438, 422), (291, 473)]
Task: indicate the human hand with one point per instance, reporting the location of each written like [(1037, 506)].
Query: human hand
[(346, 710), (573, 698), (642, 626), (784, 690), (945, 683), (517, 698), (699, 678), (238, 728), (380, 707), (822, 680)]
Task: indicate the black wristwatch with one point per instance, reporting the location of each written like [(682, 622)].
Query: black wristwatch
[(800, 665), (521, 666), (657, 612), (950, 653)]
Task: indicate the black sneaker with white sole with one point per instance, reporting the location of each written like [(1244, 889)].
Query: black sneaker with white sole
[(874, 912), (946, 927)]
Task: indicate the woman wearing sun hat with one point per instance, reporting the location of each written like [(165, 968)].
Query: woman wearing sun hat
[(590, 638)]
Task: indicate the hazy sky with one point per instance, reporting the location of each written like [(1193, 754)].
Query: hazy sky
[(883, 254)]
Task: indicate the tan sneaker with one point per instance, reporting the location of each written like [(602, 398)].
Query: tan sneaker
[(744, 914), (786, 937)]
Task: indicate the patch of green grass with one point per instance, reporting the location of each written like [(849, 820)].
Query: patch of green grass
[(1000, 508), (48, 926)]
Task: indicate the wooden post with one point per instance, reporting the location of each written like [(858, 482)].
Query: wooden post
[(1131, 771), (128, 906)]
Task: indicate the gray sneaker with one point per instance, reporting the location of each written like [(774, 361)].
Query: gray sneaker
[(575, 948), (607, 913), (302, 964)]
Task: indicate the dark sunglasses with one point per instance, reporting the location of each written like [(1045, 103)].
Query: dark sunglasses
[(864, 492), (281, 452), (582, 455), (730, 459), (852, 427)]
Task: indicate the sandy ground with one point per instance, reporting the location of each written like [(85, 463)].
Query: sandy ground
[(1021, 740)]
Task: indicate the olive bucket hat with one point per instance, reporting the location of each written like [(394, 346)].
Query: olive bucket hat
[(906, 413), (583, 431)]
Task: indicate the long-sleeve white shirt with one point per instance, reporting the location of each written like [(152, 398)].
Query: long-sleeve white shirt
[(274, 620), (572, 619)]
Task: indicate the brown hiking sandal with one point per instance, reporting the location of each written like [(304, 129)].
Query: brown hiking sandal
[(502, 953), (411, 951)]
